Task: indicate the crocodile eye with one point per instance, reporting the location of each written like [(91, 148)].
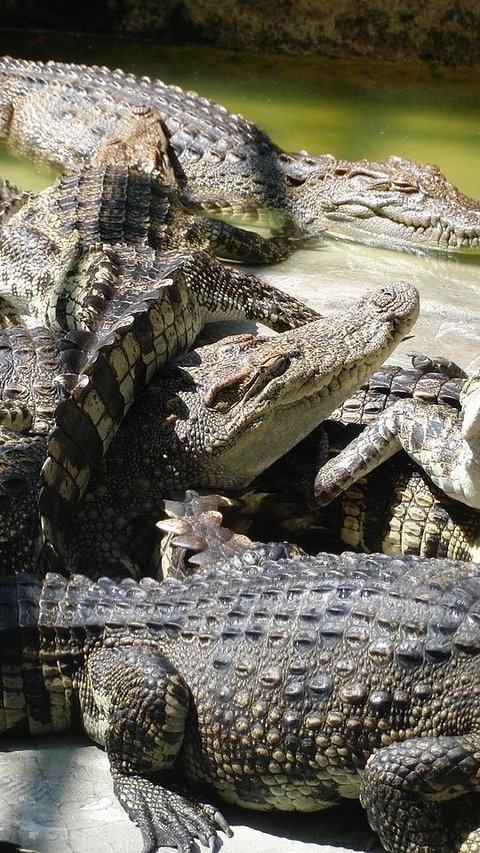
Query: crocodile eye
[(404, 185), (13, 486), (222, 398)]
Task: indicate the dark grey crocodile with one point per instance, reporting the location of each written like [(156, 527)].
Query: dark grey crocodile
[(59, 112), (270, 682)]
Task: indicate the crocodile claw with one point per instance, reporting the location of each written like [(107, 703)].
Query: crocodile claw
[(166, 818)]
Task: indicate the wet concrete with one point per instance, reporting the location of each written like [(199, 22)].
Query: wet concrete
[(56, 797), (331, 274)]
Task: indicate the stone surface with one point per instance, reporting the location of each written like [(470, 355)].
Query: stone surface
[(56, 797), (434, 30)]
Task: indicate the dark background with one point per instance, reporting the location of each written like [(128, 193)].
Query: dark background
[(437, 31)]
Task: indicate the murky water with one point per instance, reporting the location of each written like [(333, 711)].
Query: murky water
[(353, 110)]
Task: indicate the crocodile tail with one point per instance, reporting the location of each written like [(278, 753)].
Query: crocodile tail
[(24, 705), (120, 366)]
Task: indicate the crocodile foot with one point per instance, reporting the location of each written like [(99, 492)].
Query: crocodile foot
[(166, 818)]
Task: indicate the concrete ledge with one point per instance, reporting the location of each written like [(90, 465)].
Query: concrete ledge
[(56, 797)]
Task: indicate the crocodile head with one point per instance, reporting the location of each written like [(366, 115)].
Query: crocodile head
[(255, 398), (397, 203)]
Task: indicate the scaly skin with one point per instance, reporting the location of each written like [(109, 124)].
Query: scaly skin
[(214, 419), (397, 203), (21, 460), (398, 510), (278, 683), (395, 509), (392, 383), (230, 412), (125, 200), (59, 112), (444, 442), (91, 254), (177, 294), (37, 366)]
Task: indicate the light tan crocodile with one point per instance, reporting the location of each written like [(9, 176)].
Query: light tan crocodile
[(60, 111)]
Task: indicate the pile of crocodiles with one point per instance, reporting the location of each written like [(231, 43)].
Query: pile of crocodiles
[(205, 663)]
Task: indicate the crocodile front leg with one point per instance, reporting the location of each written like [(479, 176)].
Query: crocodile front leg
[(235, 244), (135, 704), (228, 293), (440, 440), (404, 788)]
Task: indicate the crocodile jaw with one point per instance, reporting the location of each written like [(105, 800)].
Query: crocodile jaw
[(396, 203), (359, 225), (270, 434)]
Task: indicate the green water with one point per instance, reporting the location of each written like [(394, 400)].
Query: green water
[(353, 110)]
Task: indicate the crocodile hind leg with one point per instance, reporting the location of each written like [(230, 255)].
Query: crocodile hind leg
[(135, 703), (410, 792)]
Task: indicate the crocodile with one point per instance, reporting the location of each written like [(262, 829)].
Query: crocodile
[(395, 509), (430, 380), (59, 111), (177, 294), (207, 420), (38, 366), (127, 199), (188, 291), (269, 681), (95, 253), (445, 442)]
